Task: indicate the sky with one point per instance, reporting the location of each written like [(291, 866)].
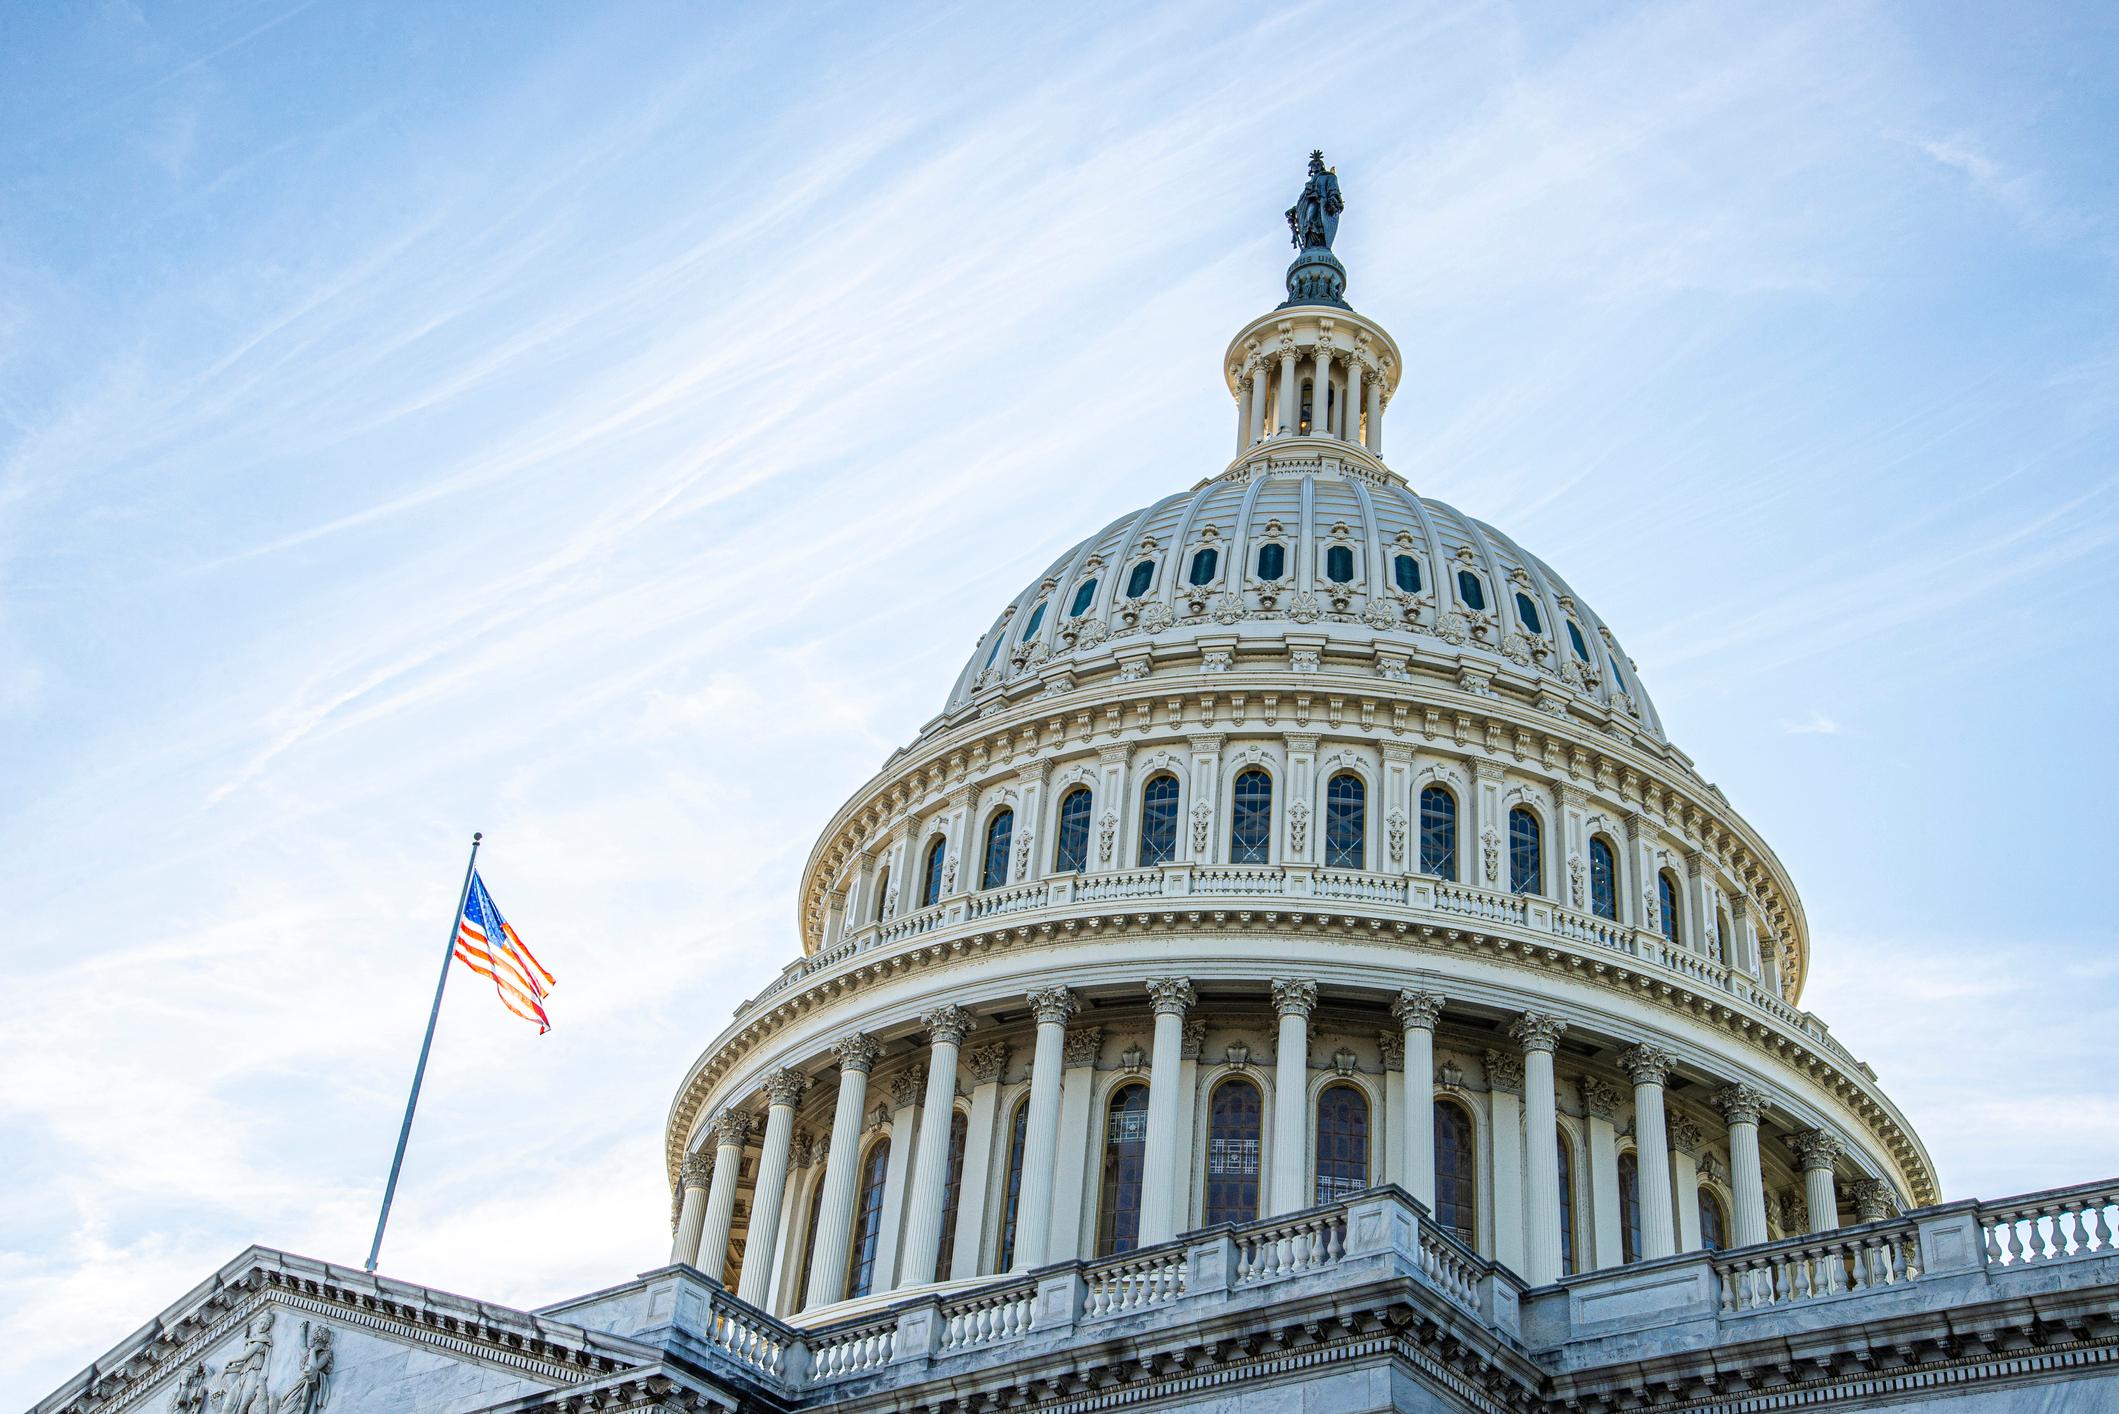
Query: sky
[(611, 428)]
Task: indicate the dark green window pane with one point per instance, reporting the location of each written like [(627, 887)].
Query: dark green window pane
[(1407, 570)]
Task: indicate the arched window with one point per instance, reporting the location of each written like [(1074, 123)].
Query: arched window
[(1125, 1145), (1456, 1172), (1072, 854), (1567, 1205), (1082, 596), (1309, 390), (1037, 616), (1714, 1231), (1204, 564), (1345, 822), (1272, 562), (1603, 880), (867, 1221), (1158, 821), (1137, 582), (1528, 612), (931, 888), (1629, 1207), (1342, 1142), (1012, 1198), (1438, 833), (882, 892), (1470, 590), (1721, 933), (1339, 564), (1574, 636), (1233, 1119), (1666, 905), (1526, 865), (1407, 571), (809, 1239), (999, 831), (1251, 818), (952, 1193)]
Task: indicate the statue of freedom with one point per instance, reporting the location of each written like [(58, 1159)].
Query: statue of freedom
[(1314, 218)]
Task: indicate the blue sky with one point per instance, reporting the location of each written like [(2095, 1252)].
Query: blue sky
[(611, 427)]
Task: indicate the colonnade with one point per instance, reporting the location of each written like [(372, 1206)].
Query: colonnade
[(1049, 1204), (1351, 410)]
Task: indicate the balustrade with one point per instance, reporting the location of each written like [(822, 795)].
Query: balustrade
[(1451, 1266), (747, 1335), (1134, 883), (2051, 1227), (1240, 879), (850, 1350), (1010, 900), (988, 1317), (1809, 1269), (1285, 1249), (1362, 888), (1135, 1283)]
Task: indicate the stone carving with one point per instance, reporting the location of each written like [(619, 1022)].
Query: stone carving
[(1089, 632), (1129, 1060), (949, 1024), (1575, 885), (1022, 852), (1490, 853), (1599, 1099), (1304, 660), (1344, 1062), (1816, 1148), (1685, 1136), (242, 1384), (1453, 628), (949, 874), (1874, 1201), (1450, 1074), (1418, 1010), (1170, 994), (1646, 1064), (908, 1088), (1228, 608), (785, 1087), (1394, 827), (192, 1392), (857, 1052), (1053, 1006), (1304, 608), (1106, 834), (1535, 1031), (698, 1170), (1215, 660), (1380, 615), (801, 1146), (1651, 910), (1192, 1038), (731, 1129), (1202, 824), (1504, 1072), (1083, 1045), (1298, 828), (1294, 996), (1517, 649), (1739, 1104), (1392, 1045), (1238, 1055), (1156, 617), (988, 1062)]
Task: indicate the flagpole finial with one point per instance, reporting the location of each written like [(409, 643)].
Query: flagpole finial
[(477, 835)]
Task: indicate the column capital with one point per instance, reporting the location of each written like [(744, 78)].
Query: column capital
[(1171, 995), (1053, 1006), (1739, 1104), (908, 1088), (1504, 1072), (1817, 1149), (988, 1062), (1574, 797), (948, 1023), (1083, 1043), (1535, 1031), (1418, 1010), (1301, 741), (1646, 1064), (857, 1052), (1294, 996), (1686, 1136), (698, 1170), (1206, 743), (1599, 1099), (1392, 1045), (785, 1087), (1874, 1200), (731, 1128)]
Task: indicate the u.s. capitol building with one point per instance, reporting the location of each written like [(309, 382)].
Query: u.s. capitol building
[(1296, 971)]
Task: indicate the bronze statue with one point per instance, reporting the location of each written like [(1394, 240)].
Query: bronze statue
[(1314, 218)]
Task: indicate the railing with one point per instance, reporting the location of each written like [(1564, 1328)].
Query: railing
[(1808, 1269), (1363, 888), (1134, 1283), (747, 1335), (1478, 903), (851, 1350), (1244, 881), (1010, 900), (1450, 1266), (1134, 883), (910, 926), (1588, 928), (2051, 1227), (1288, 1249), (988, 1317)]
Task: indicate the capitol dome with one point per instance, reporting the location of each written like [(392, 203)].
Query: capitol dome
[(1289, 838)]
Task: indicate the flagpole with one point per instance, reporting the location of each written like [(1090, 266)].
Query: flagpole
[(419, 1073)]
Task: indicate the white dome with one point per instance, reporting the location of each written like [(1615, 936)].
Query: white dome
[(1420, 587)]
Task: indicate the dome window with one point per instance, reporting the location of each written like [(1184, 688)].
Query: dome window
[(1082, 596), (931, 888), (1526, 863), (1339, 564), (1158, 821), (1456, 1171), (1251, 819), (1143, 575), (995, 651), (1666, 903), (1037, 616), (1235, 1119), (867, 1221), (1342, 1143), (1438, 833), (1528, 612), (1471, 591), (1272, 562), (1574, 638), (1072, 856), (1603, 880), (1407, 571), (1204, 564), (1345, 822), (999, 832), (1125, 1170)]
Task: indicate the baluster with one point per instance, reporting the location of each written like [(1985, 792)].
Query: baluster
[(2100, 1229)]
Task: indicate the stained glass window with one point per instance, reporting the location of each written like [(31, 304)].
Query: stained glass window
[(1345, 822), (1456, 1172), (1072, 855), (1438, 833), (1342, 1143), (1125, 1148), (1251, 818), (1012, 1202), (867, 1222), (1158, 821), (1526, 866), (1603, 880), (1233, 1124), (999, 831)]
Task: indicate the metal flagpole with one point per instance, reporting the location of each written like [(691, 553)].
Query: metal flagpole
[(419, 1073)]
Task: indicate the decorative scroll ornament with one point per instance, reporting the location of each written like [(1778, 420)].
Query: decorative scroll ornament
[(1228, 608), (1202, 824), (1304, 608), (1395, 826), (1106, 834), (1490, 849), (1192, 1038), (1156, 617), (1504, 1072), (1083, 1045), (1575, 872), (1453, 628), (1022, 852), (1298, 828), (1392, 1045)]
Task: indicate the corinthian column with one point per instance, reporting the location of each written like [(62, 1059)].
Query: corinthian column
[(827, 1261), (1417, 1013), (692, 1180), (1288, 391), (1321, 393), (930, 1164), (1294, 1000), (1353, 401), (756, 1282), (730, 1129), (1539, 1036), (1650, 1067), (1819, 1151), (1740, 1106), (1255, 401), (1158, 1191), (1033, 1205)]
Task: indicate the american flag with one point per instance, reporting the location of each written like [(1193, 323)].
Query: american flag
[(488, 946)]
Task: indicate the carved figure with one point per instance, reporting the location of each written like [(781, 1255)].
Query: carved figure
[(242, 1388), (312, 1386), (189, 1397), (1314, 218)]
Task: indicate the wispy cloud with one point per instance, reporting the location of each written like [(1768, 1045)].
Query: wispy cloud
[(1816, 724)]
